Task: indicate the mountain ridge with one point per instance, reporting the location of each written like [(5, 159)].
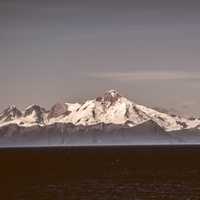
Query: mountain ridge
[(110, 108)]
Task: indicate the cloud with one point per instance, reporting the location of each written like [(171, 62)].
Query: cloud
[(148, 75)]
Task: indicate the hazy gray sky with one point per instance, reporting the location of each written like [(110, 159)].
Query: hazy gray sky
[(72, 50)]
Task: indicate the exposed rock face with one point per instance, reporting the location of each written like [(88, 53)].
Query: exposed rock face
[(58, 110), (10, 113), (111, 96), (35, 113)]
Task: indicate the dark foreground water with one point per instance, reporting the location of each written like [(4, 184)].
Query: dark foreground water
[(100, 173)]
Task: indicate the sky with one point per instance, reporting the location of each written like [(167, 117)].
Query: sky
[(53, 51)]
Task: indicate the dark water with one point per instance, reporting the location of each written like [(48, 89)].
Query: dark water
[(100, 173)]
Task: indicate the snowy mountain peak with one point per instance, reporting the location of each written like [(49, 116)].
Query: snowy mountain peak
[(10, 113), (12, 107), (35, 114), (32, 108), (110, 108), (111, 96), (113, 93)]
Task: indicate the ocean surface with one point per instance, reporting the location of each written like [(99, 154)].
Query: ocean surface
[(100, 173)]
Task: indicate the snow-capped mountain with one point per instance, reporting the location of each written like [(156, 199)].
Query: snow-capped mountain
[(111, 108), (10, 114), (34, 114)]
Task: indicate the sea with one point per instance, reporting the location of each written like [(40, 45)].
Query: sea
[(100, 173)]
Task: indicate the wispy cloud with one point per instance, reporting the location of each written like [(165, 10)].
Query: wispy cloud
[(148, 75)]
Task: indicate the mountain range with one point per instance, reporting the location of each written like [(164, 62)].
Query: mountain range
[(107, 119)]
